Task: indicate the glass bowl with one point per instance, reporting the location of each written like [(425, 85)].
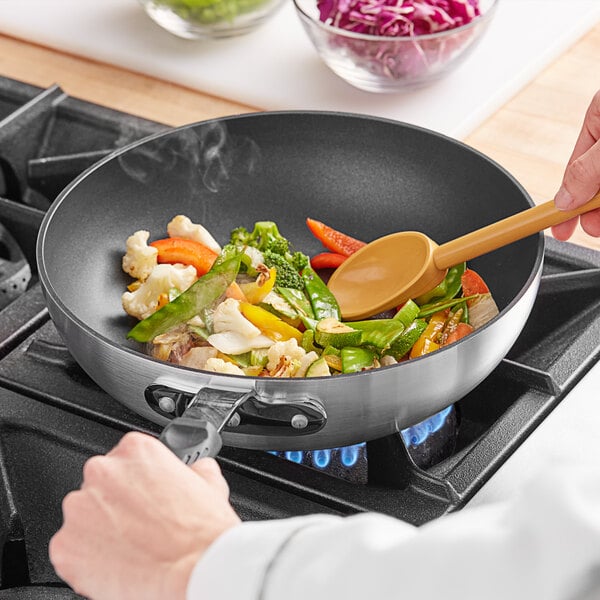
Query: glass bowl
[(209, 19), (392, 64)]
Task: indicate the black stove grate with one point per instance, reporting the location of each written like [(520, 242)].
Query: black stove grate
[(53, 417)]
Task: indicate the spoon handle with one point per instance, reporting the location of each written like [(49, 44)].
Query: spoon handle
[(506, 231)]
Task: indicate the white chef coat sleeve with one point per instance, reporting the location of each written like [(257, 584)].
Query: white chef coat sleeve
[(544, 544)]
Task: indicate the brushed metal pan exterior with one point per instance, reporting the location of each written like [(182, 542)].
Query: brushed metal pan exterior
[(363, 175)]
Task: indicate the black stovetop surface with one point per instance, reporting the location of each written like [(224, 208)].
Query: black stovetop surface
[(53, 417)]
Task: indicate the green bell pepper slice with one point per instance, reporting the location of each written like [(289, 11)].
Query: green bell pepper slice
[(356, 359)]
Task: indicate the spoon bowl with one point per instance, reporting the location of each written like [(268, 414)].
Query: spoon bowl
[(390, 270)]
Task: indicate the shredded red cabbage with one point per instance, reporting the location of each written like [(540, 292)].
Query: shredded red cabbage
[(397, 17)]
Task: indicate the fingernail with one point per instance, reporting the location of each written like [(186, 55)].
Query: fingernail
[(563, 199)]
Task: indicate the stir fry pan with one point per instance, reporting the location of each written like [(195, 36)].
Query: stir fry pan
[(365, 176)]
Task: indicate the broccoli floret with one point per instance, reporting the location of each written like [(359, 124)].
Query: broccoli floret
[(240, 237), (300, 261), (265, 236), (275, 249), (277, 246), (287, 275)]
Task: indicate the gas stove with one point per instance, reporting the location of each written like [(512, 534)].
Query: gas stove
[(53, 417)]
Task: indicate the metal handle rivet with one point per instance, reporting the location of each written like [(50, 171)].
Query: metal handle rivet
[(234, 421), (299, 421), (166, 404)]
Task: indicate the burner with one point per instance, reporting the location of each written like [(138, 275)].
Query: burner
[(427, 443)]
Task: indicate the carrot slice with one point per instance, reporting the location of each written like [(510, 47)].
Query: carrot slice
[(188, 252), (235, 291), (334, 240)]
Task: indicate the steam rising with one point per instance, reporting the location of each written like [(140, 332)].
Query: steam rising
[(207, 156)]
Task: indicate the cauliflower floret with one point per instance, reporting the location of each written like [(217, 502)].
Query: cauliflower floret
[(182, 227), (227, 317), (288, 349), (218, 365), (140, 259), (231, 342), (142, 302)]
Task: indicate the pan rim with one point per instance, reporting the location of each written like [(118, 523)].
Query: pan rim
[(51, 292)]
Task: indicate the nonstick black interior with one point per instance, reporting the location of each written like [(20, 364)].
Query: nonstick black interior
[(365, 176)]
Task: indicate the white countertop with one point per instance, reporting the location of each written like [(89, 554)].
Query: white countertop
[(276, 67)]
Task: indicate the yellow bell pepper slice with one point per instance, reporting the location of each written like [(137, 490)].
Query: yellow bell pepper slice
[(256, 291), (428, 342), (269, 324), (423, 346)]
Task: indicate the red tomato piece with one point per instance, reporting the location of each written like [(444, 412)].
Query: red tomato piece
[(472, 283)]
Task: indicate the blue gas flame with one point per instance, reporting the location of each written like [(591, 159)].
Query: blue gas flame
[(321, 458), (417, 434), (349, 455), (296, 456)]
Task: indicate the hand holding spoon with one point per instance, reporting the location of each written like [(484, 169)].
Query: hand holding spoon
[(392, 269)]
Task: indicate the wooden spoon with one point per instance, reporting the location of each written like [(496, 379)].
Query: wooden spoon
[(390, 270)]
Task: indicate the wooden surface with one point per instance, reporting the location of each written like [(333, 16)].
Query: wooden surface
[(532, 135)]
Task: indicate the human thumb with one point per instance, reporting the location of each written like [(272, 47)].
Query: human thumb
[(581, 180)]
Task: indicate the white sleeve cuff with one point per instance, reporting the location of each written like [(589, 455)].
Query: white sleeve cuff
[(235, 566)]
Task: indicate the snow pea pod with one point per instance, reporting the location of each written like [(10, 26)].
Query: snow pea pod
[(323, 302), (297, 300), (380, 333), (201, 294), (429, 309), (447, 289)]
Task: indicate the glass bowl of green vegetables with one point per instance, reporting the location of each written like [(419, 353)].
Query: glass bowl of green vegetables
[(208, 19)]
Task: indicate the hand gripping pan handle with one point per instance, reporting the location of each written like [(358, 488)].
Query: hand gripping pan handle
[(197, 432)]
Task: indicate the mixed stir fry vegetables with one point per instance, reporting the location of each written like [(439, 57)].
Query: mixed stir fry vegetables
[(256, 307)]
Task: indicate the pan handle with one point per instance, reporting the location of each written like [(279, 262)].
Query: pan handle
[(197, 432), (198, 418)]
